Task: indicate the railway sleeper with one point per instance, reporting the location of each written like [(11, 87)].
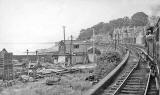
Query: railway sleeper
[(136, 78), (132, 92), (126, 94), (132, 84), (153, 93), (134, 81), (138, 73), (135, 86), (133, 89)]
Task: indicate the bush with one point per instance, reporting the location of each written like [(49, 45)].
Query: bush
[(106, 63)]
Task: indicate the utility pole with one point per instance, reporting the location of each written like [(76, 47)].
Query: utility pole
[(27, 54), (93, 46), (127, 31), (115, 41), (37, 57), (71, 51), (122, 34), (118, 38), (28, 62), (64, 43), (85, 52)]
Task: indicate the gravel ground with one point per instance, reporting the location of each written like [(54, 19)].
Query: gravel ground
[(70, 84)]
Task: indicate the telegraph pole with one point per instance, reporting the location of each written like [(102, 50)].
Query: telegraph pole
[(153, 48), (71, 51), (85, 52), (64, 42), (37, 56), (93, 46), (27, 54), (122, 32), (34, 70), (115, 41), (118, 38), (28, 62)]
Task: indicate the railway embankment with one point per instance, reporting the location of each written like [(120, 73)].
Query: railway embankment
[(108, 78)]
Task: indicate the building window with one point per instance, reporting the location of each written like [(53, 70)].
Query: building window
[(76, 46)]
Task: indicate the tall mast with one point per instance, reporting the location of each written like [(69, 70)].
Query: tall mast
[(71, 51), (115, 30), (27, 54), (118, 34), (64, 45), (93, 46), (28, 63), (115, 41), (37, 56), (64, 40)]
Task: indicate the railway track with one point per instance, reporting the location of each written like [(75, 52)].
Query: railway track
[(134, 79), (152, 87), (129, 79), (110, 90), (152, 90), (147, 84), (135, 83)]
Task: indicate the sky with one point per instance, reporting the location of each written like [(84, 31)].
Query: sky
[(37, 24)]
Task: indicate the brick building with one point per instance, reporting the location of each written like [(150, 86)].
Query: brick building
[(6, 66)]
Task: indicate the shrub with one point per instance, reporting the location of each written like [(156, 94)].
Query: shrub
[(106, 63)]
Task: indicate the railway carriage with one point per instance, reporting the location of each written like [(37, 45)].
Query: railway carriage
[(152, 40)]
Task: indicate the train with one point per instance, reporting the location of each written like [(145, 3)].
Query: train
[(152, 43)]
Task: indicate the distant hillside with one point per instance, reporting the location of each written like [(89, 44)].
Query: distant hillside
[(137, 19)]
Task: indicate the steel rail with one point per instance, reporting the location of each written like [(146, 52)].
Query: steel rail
[(106, 80), (158, 71), (148, 81), (133, 69), (149, 58), (125, 80), (157, 83)]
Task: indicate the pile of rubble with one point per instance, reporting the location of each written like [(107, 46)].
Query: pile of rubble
[(52, 73)]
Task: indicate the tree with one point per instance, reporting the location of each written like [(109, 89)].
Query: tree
[(98, 26), (107, 28), (139, 19), (126, 21), (85, 34)]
